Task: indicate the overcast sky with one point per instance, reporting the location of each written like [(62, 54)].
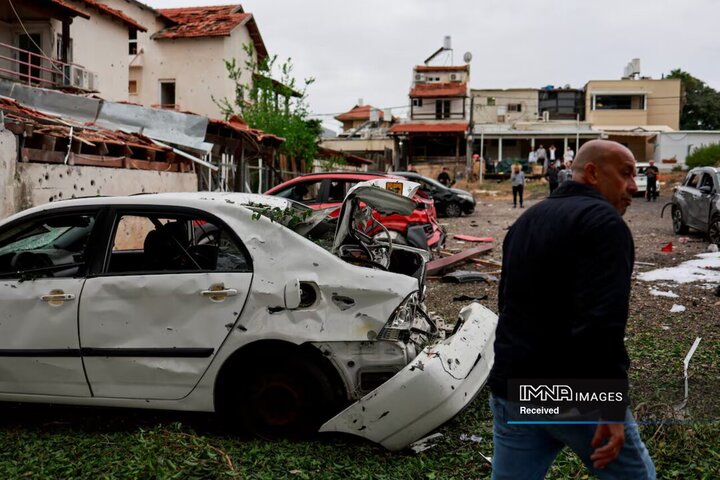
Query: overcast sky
[(367, 48)]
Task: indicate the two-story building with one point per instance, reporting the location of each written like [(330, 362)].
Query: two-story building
[(633, 111), (77, 45), (439, 118)]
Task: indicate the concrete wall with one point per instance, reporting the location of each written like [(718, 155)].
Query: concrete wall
[(8, 154), (25, 185), (358, 144), (484, 113), (679, 145), (662, 107)]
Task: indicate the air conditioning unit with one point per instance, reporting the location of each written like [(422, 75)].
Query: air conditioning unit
[(94, 82), (420, 77), (77, 77), (454, 77)]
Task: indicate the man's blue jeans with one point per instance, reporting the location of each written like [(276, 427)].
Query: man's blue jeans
[(527, 451)]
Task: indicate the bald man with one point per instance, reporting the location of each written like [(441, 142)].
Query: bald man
[(560, 371)]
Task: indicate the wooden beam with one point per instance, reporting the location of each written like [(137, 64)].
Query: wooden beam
[(436, 267)]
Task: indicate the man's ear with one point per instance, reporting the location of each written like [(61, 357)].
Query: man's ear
[(590, 172)]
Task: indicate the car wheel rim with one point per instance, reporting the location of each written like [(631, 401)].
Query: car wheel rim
[(677, 220), (714, 232), (279, 402), (453, 210)]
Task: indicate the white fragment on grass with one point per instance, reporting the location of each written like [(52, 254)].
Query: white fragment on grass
[(660, 293), (665, 327), (686, 364), (470, 438), (425, 443), (704, 268), (677, 308)]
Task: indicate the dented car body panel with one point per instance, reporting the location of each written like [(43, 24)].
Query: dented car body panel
[(112, 328), (442, 380)]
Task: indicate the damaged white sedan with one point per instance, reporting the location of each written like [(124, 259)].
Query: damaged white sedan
[(219, 302)]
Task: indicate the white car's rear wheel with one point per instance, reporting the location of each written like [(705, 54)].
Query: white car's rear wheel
[(714, 230)]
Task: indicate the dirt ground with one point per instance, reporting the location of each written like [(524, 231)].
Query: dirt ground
[(657, 339)]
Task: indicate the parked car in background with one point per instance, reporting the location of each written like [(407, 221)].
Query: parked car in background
[(641, 179), (215, 302), (323, 190), (696, 203), (450, 202)]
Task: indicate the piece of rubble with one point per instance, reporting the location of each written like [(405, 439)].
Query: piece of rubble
[(466, 276), (425, 443), (677, 308), (439, 265), (472, 238), (469, 298), (470, 438)]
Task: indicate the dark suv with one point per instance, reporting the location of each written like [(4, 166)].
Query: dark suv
[(323, 190), (696, 203), (451, 202)]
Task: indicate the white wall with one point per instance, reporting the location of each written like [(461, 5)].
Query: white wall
[(8, 155), (680, 144), (100, 44)]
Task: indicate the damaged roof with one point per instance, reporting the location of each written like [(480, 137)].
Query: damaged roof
[(443, 89), (210, 21), (69, 8), (117, 14), (239, 125), (358, 112)]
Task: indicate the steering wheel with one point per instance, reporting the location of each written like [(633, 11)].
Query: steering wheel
[(28, 261), (349, 254)]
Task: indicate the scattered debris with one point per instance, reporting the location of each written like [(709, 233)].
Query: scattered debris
[(425, 443), (667, 248), (437, 266), (471, 238), (686, 364), (469, 298), (470, 438), (712, 248), (683, 239), (703, 268), (677, 308), (486, 263), (660, 293), (665, 327), (465, 276), (645, 263)]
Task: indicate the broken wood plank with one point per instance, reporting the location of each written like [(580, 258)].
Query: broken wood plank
[(43, 156), (486, 263), (98, 161), (436, 267), (145, 165)]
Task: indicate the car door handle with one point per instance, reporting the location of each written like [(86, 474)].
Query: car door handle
[(218, 292), (57, 297)]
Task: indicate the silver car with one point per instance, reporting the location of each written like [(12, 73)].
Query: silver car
[(696, 203)]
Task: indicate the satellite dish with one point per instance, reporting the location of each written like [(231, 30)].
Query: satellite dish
[(467, 57)]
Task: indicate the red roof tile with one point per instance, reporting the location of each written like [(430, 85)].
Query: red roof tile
[(457, 68), (212, 21), (70, 8), (358, 113), (355, 160), (439, 90), (117, 14), (429, 128), (238, 124)]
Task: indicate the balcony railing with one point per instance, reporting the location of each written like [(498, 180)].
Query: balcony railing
[(38, 70)]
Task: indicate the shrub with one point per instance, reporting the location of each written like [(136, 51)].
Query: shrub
[(705, 156)]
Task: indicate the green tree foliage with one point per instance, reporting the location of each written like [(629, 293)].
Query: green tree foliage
[(701, 105), (274, 106), (705, 156)]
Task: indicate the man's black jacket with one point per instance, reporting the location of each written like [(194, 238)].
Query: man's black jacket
[(564, 291)]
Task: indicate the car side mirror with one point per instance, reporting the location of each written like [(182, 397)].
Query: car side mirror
[(292, 294), (706, 189)]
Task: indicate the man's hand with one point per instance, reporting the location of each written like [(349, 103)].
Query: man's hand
[(615, 433)]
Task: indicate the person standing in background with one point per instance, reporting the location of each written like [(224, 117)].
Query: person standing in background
[(517, 177), (552, 176)]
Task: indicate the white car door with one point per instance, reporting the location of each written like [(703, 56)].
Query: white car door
[(42, 268), (171, 289)]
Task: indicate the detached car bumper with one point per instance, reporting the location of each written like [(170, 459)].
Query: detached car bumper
[(442, 380)]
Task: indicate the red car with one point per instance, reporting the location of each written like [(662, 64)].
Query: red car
[(324, 190)]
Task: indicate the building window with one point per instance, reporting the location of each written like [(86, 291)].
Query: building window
[(59, 49), (167, 94), (417, 102), (491, 101), (619, 102), (133, 87), (514, 107), (442, 109), (132, 44)]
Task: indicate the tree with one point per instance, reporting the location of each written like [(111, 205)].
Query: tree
[(700, 105), (273, 106), (704, 156)]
